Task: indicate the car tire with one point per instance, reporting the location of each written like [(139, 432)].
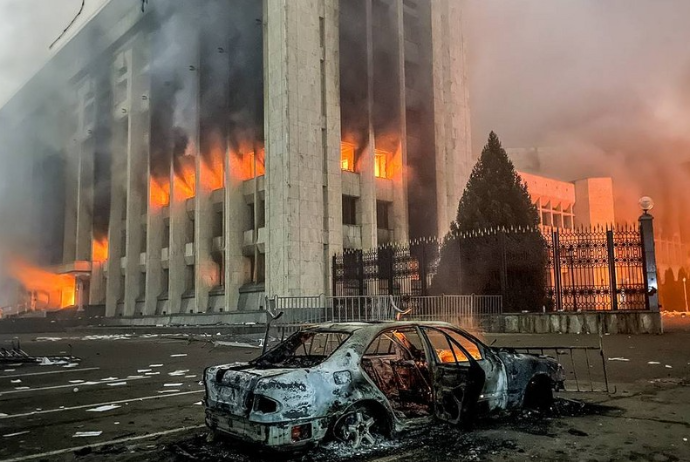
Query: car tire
[(538, 394), (359, 427)]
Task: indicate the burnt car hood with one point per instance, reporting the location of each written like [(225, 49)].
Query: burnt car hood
[(300, 393)]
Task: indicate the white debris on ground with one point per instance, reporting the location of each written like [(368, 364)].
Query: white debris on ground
[(3, 415), (152, 373), (107, 407), (49, 362), (16, 381), (178, 372), (155, 365), (117, 384), (655, 363), (668, 367), (234, 344), (141, 371), (179, 355), (10, 435), (619, 359), (172, 385), (87, 434)]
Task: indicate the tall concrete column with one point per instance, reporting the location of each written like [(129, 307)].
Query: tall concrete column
[(296, 116), (205, 268), (84, 201), (179, 215), (454, 159), (69, 246), (367, 173), (401, 226), (136, 170), (235, 215)]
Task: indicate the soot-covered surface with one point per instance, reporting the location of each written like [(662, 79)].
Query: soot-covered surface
[(437, 443)]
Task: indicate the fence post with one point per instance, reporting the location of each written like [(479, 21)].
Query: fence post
[(360, 272), (649, 261), (504, 265), (557, 270), (613, 283), (335, 279)]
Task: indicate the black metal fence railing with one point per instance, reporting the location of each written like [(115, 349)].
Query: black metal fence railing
[(587, 269), (596, 269)]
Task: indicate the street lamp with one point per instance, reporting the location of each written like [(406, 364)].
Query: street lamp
[(647, 204)]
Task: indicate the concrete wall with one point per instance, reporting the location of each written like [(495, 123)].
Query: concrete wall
[(621, 322)]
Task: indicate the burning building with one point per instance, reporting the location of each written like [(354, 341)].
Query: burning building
[(195, 156)]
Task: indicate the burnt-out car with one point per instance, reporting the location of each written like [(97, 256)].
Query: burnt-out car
[(354, 381)]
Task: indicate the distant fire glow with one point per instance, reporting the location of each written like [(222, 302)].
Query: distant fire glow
[(99, 249), (57, 289)]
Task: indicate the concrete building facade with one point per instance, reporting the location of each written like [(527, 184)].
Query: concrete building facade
[(201, 155)]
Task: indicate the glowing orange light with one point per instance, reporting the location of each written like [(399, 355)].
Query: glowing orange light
[(347, 157), (159, 191), (60, 288), (185, 177), (99, 249), (380, 161)]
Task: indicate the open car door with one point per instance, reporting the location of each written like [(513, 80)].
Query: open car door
[(457, 379)]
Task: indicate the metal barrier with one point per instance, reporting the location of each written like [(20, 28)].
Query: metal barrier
[(581, 365), (467, 311)]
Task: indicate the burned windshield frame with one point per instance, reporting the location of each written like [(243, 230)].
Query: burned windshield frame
[(451, 341), (286, 354)]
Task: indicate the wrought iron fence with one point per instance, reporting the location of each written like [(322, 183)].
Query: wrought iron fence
[(596, 269), (588, 269)]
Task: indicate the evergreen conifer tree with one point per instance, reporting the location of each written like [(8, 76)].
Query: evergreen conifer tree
[(494, 246)]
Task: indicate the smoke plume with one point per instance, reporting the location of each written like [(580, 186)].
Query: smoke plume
[(607, 84)]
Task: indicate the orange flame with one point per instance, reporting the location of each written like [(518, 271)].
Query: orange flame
[(159, 191), (60, 288), (185, 179), (99, 249), (249, 165)]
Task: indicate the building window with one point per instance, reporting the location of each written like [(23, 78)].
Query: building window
[(165, 282), (380, 159), (189, 281), (166, 233), (383, 214), (218, 224), (262, 214), (347, 157), (349, 210)]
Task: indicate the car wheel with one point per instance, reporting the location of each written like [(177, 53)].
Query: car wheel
[(539, 394), (358, 427)]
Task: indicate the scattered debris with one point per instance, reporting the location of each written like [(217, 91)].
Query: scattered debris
[(668, 367), (87, 434), (178, 373), (76, 381), (172, 385), (654, 363), (141, 371), (155, 365), (619, 359), (107, 407), (152, 373), (117, 384), (180, 355), (10, 435), (16, 381)]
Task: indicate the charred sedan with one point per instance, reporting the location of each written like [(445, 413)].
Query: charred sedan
[(355, 381)]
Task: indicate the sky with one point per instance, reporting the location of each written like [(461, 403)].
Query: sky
[(606, 81)]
